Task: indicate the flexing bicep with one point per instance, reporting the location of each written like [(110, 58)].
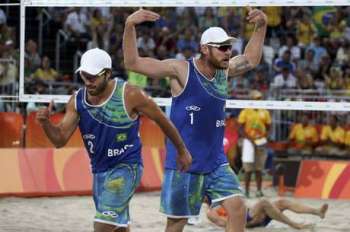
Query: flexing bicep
[(154, 68), (239, 65), (70, 120)]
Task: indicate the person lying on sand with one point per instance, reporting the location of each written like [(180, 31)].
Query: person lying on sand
[(264, 211)]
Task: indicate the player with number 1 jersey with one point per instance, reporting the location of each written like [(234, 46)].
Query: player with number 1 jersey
[(200, 119), (199, 88)]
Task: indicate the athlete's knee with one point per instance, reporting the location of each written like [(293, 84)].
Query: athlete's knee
[(121, 229), (103, 227), (264, 202), (282, 203), (175, 224), (235, 206), (177, 220)]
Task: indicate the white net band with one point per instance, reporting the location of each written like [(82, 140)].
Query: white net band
[(161, 3)]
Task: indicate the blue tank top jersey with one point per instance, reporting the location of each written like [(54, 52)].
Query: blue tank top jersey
[(199, 115), (109, 134)]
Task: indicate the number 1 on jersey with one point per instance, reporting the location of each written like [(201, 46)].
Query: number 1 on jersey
[(191, 118)]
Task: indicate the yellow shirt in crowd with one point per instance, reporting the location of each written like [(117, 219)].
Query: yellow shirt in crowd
[(301, 134), (255, 122), (45, 75), (305, 32), (347, 138), (273, 14), (336, 136), (248, 27)]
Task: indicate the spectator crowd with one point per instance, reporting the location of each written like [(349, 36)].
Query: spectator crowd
[(306, 47), (306, 52)]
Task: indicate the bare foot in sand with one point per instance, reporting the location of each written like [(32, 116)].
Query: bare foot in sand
[(323, 210)]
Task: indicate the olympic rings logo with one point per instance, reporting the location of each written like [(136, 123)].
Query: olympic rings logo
[(110, 214), (89, 136), (193, 108)]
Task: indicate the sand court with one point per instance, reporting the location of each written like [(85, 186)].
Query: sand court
[(58, 214)]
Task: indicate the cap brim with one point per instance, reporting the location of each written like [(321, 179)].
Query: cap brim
[(229, 40), (77, 70), (89, 71)]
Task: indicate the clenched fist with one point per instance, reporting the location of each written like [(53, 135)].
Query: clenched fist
[(257, 17), (43, 114), (184, 160), (141, 16)]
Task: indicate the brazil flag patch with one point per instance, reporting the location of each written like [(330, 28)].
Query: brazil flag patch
[(121, 137)]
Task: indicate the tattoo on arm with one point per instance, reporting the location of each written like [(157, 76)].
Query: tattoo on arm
[(242, 65), (239, 66), (259, 26)]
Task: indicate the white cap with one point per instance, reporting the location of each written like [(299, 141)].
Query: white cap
[(93, 61), (216, 35)]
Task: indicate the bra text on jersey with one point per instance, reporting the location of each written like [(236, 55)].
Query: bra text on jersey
[(116, 152)]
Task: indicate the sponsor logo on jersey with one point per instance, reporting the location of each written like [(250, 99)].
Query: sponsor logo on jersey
[(193, 108), (89, 136), (111, 214)]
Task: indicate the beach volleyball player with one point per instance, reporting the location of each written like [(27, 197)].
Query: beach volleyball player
[(199, 89), (264, 211), (107, 112)]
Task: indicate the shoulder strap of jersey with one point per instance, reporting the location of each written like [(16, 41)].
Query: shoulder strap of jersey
[(79, 99)]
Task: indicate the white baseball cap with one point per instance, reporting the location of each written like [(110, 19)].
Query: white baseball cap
[(93, 61), (216, 35)]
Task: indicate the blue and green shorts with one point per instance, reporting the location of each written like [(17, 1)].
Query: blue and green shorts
[(112, 191), (183, 193)]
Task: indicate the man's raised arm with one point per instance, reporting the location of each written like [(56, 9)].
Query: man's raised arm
[(148, 66), (253, 50)]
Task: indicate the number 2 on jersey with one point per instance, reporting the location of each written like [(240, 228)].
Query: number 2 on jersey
[(91, 147)]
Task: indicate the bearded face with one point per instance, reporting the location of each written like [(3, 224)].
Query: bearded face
[(95, 84), (218, 55)]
